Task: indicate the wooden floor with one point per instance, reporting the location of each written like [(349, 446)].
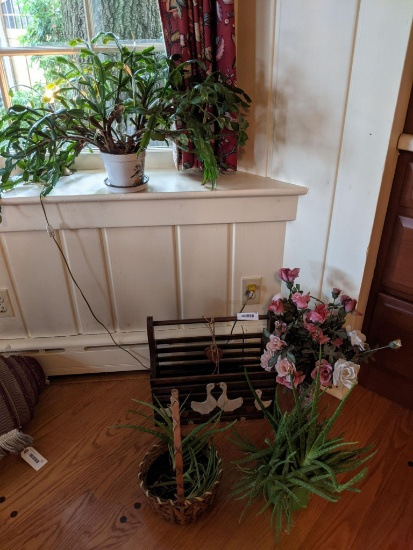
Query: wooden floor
[(87, 496)]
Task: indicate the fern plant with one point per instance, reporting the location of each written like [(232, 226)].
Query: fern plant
[(299, 459)]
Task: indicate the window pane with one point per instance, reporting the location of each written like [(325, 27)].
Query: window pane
[(36, 23), (55, 22), (27, 77), (128, 19)]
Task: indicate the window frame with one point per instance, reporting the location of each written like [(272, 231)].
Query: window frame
[(25, 51), (14, 14), (86, 160)]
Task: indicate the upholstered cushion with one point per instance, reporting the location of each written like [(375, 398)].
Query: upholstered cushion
[(21, 381)]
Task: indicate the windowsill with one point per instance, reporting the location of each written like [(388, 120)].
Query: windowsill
[(82, 200), (88, 185)]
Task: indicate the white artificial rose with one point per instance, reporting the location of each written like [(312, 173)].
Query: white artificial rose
[(345, 373), (357, 338)]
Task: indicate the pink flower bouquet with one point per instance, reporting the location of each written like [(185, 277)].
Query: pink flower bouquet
[(301, 325)]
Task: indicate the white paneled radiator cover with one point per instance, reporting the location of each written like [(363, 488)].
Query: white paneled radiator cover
[(176, 251)]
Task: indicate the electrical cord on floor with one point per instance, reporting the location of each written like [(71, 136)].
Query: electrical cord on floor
[(51, 234)]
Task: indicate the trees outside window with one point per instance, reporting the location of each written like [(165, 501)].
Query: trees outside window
[(41, 28)]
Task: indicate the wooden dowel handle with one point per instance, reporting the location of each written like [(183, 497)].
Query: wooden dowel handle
[(179, 467)]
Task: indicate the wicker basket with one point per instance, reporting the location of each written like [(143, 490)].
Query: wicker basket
[(171, 510)]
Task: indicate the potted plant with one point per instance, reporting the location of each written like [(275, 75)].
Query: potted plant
[(308, 349), (118, 102), (298, 459), (180, 474)]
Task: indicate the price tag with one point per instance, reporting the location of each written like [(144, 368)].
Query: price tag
[(247, 317), (33, 458)]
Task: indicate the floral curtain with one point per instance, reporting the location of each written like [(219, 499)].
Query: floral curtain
[(203, 30)]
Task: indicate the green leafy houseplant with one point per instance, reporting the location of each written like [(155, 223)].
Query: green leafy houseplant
[(299, 459), (117, 101), (201, 463)]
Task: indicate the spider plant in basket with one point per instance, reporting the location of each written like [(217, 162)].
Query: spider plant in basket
[(299, 459), (180, 475)]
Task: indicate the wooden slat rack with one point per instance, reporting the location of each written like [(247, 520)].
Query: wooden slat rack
[(180, 362)]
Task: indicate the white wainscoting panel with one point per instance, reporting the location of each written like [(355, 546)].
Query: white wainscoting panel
[(141, 265), (40, 283), (171, 255), (11, 327), (204, 251), (84, 251), (258, 252)]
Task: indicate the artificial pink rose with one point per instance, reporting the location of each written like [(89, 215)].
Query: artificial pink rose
[(300, 300), (298, 378), (317, 334), (350, 305), (275, 343), (319, 314), (326, 371), (284, 366), (344, 298), (288, 275), (280, 328), (336, 292), (276, 306), (265, 357), (337, 342), (323, 338)]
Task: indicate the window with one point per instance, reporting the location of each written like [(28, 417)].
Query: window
[(32, 31), (11, 15)]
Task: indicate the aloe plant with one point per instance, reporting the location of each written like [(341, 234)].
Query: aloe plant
[(201, 464), (298, 459), (117, 102)]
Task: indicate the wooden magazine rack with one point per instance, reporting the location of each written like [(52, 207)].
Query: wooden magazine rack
[(208, 368)]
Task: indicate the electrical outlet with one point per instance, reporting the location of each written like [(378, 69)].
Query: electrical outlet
[(246, 284), (5, 306)]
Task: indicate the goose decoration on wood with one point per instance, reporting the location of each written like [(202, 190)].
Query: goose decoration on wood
[(265, 403), (225, 403), (210, 403)]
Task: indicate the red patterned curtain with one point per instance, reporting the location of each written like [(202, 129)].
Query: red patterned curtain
[(203, 30)]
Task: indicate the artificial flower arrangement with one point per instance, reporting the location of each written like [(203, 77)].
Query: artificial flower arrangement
[(309, 347), (302, 324)]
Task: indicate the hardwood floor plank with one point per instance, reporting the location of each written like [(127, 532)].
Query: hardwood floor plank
[(87, 497)]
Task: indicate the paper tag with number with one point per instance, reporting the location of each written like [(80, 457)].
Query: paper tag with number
[(32, 457), (247, 316)]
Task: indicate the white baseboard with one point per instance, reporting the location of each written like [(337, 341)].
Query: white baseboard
[(93, 353)]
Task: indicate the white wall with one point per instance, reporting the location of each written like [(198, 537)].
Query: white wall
[(328, 74), (330, 82)]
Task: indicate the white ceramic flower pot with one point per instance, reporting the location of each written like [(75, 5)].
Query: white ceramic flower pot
[(126, 173)]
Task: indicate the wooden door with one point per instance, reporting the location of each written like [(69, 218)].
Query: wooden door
[(389, 313)]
